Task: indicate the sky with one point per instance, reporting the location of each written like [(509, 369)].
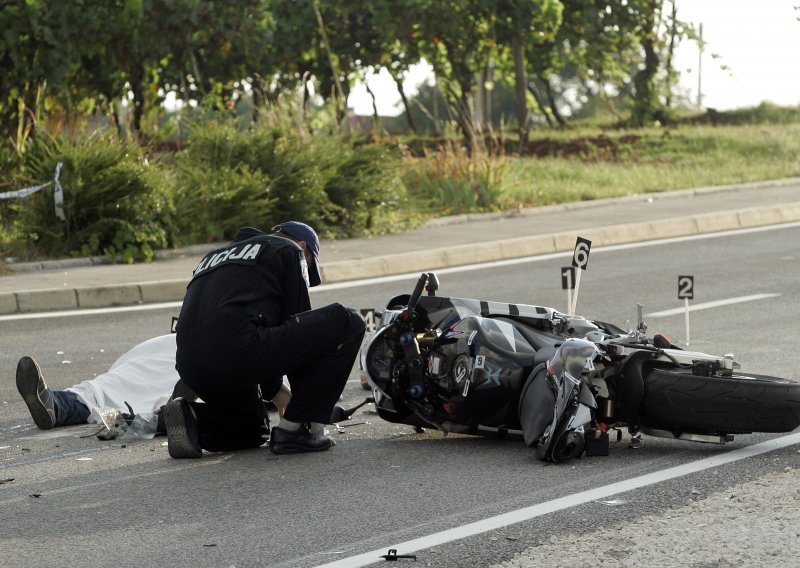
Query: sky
[(752, 54)]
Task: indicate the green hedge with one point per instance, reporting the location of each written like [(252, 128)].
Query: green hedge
[(227, 178), (116, 203)]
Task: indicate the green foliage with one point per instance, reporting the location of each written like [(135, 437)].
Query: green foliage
[(115, 202), (453, 181), (228, 178), (365, 192), (652, 160), (764, 113), (220, 184)]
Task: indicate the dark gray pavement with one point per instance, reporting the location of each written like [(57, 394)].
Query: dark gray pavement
[(445, 242)]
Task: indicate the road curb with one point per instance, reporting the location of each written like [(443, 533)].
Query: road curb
[(419, 261), (536, 245)]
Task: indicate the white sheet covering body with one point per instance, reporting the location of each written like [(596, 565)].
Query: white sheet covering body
[(144, 377)]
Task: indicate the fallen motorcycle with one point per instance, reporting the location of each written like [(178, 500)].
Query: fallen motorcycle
[(560, 382)]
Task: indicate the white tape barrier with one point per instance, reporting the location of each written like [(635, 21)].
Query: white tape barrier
[(58, 192)]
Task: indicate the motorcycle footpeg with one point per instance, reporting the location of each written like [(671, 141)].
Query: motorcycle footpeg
[(597, 444)]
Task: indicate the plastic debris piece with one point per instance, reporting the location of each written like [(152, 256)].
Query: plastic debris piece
[(9, 480), (144, 425), (392, 556), (108, 416), (37, 495), (612, 502), (83, 459), (351, 424)]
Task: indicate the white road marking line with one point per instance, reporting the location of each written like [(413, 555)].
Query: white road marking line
[(92, 311), (707, 305), (415, 275), (527, 513), (548, 256)]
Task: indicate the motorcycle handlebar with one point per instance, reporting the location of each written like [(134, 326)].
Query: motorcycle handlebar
[(415, 295)]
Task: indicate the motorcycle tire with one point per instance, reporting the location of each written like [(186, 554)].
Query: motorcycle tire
[(678, 400)]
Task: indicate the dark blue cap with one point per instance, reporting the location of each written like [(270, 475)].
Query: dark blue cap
[(302, 232)]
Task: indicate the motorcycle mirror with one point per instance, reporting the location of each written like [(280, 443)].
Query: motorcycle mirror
[(433, 284), (341, 414)]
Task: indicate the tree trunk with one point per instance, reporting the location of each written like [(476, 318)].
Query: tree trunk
[(334, 72), (520, 84), (376, 120), (410, 119), (645, 105), (670, 52), (548, 89), (137, 87), (540, 104)]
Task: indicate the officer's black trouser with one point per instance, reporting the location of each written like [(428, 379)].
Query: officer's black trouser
[(315, 350)]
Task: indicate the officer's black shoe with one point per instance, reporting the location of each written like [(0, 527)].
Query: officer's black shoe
[(181, 424), (34, 391), (283, 441)]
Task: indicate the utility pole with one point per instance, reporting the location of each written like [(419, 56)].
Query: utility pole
[(700, 69)]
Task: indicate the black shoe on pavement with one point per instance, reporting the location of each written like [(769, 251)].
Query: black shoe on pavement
[(283, 441), (181, 424), (34, 391)]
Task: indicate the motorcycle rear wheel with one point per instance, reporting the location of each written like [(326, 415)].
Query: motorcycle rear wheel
[(678, 400)]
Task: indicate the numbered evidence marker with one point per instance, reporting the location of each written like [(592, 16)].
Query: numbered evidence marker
[(568, 282), (369, 319), (686, 293), (580, 259)]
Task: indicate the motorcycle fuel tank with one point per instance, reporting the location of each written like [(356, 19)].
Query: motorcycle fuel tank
[(478, 368)]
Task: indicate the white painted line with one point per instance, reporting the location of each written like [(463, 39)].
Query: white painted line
[(546, 257), (414, 275), (527, 513), (708, 305), (92, 311)]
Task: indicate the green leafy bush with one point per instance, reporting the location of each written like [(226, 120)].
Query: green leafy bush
[(228, 178), (115, 202), (452, 180), (366, 192)]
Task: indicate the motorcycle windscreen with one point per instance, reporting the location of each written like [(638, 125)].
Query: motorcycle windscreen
[(536, 406), (480, 372)]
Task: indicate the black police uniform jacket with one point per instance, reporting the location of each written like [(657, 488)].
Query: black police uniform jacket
[(236, 292)]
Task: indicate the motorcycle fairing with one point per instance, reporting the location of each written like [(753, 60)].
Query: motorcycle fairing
[(573, 402), (480, 364)]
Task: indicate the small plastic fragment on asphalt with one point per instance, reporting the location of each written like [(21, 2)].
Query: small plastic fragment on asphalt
[(612, 502)]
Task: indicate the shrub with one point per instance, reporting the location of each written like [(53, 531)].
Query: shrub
[(452, 180), (228, 178), (366, 192), (115, 202)]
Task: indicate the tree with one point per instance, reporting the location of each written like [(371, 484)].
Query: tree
[(521, 27), (457, 38), (37, 48)]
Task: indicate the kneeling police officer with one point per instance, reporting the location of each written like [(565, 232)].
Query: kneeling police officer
[(247, 321)]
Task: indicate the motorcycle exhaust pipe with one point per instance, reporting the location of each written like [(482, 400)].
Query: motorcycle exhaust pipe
[(341, 414)]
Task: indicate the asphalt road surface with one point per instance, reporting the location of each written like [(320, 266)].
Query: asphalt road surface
[(67, 497)]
